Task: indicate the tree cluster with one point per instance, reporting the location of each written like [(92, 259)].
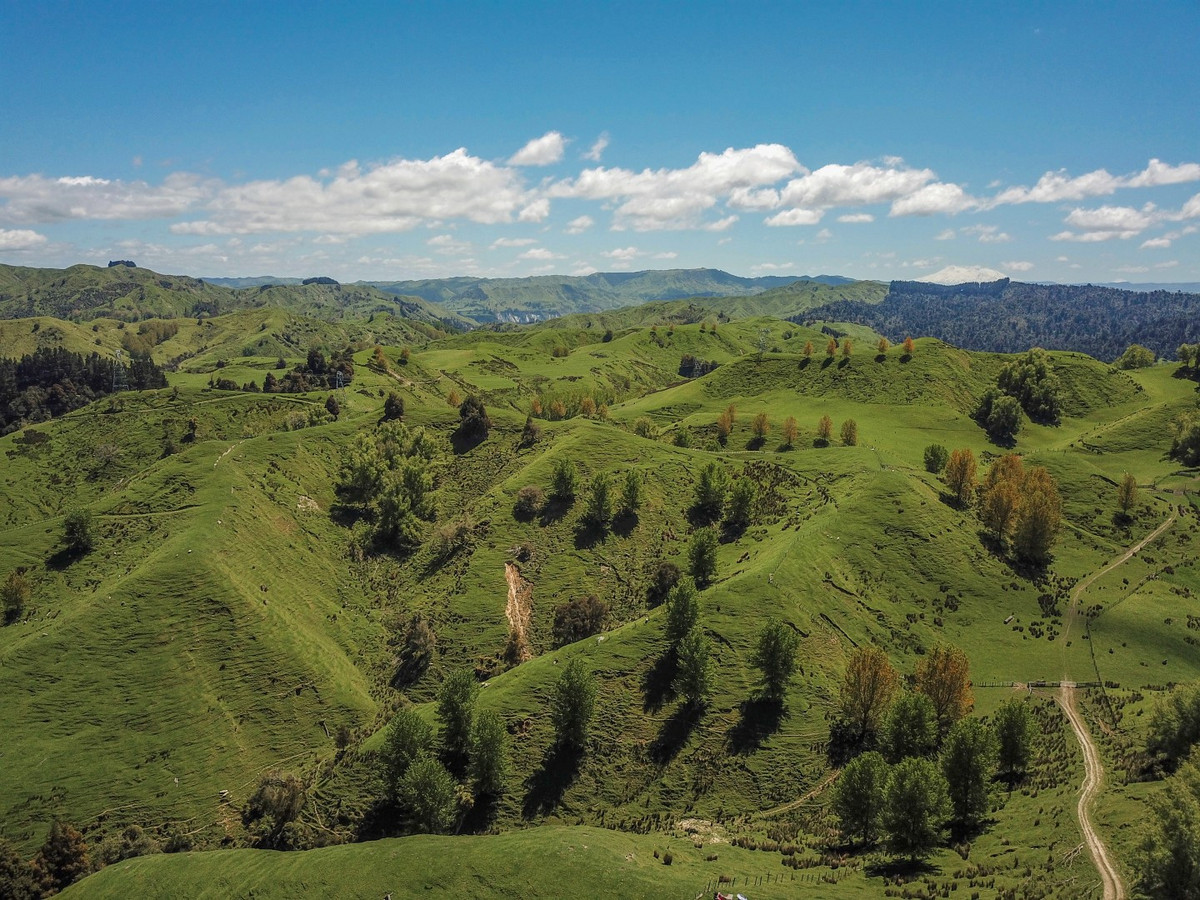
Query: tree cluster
[(314, 374), (1021, 507)]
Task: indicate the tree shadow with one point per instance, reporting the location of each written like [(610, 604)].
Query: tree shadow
[(880, 357), (465, 440), (785, 447), (905, 357), (702, 517), (820, 442), (658, 683), (381, 819), (555, 510), (843, 362), (900, 868), (588, 534), (805, 363), (64, 557), (845, 743), (481, 816), (544, 788), (755, 443), (346, 514), (625, 522), (827, 362), (760, 718), (674, 734)]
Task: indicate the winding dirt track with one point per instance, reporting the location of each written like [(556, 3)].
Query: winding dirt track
[(1092, 765)]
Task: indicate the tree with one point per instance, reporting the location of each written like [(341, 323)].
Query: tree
[(579, 618), (702, 556), (740, 506), (1185, 438), (808, 349), (600, 505), (868, 688), (760, 426), (79, 531), (1168, 858), (456, 710), (850, 433), (1136, 357), (909, 346), (393, 407), (790, 432), (960, 475), (489, 754), (710, 492), (529, 500), (943, 675), (666, 576), (883, 346), (643, 427), (427, 793), (683, 611), (775, 657), (62, 860), (1013, 726), (279, 797), (416, 653), (968, 759), (847, 348), (824, 429), (1031, 380), (915, 808), (1040, 517), (333, 407), (910, 728), (694, 668), (531, 433), (725, 423), (858, 796), (474, 423), (1186, 354), (631, 493), (18, 879), (1000, 415), (572, 705), (935, 458), (15, 594), (408, 739), (1127, 494), (831, 348), (683, 437), (565, 482), (1001, 497), (454, 398)]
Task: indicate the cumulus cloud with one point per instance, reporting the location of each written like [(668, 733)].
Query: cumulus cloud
[(390, 197), (1108, 222), (622, 254), (543, 151), (1161, 242), (34, 199), (666, 254), (772, 267), (598, 148), (580, 224), (987, 234), (512, 242), (933, 199), (539, 253), (20, 239), (1019, 265), (1056, 187), (854, 218), (666, 199), (448, 245), (795, 217), (946, 234)]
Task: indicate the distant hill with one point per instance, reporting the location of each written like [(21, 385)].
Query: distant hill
[(1188, 287), (1007, 317), (548, 296), (252, 281)]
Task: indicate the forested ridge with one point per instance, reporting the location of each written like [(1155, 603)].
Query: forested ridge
[(1010, 317)]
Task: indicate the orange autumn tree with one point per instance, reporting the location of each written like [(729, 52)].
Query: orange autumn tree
[(960, 475), (870, 685), (943, 676)]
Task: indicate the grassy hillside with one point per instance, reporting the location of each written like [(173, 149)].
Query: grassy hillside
[(228, 621)]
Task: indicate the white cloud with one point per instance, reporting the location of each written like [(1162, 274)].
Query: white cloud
[(543, 151), (20, 239), (580, 224), (1062, 259), (1161, 242), (795, 217), (1055, 187), (390, 197), (825, 234), (667, 254), (946, 234), (33, 199), (860, 184), (1191, 209), (598, 148), (1169, 264), (772, 267), (672, 199), (624, 254), (539, 253), (535, 211), (1112, 218), (933, 199), (1017, 265), (448, 245), (854, 218), (988, 234), (512, 242), (583, 270)]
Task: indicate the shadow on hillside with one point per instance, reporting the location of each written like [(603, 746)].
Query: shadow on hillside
[(805, 363), (657, 689), (481, 816), (555, 510), (820, 442), (64, 557), (545, 787), (755, 443), (674, 734), (381, 819), (843, 363), (346, 514), (624, 523), (880, 357), (760, 718), (827, 362), (906, 868), (589, 534), (464, 441)]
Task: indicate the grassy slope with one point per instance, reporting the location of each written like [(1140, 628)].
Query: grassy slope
[(856, 547)]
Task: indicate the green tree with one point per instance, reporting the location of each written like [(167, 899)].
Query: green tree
[(333, 407), (631, 493), (915, 808), (775, 657), (1013, 726), (572, 705), (408, 739), (14, 595), (565, 483), (1040, 517), (683, 611), (474, 423), (694, 668), (910, 728), (643, 427), (710, 492), (1185, 435), (456, 710), (1000, 415), (740, 505), (968, 760), (427, 794), (18, 880), (579, 618), (1127, 494), (935, 458), (79, 531), (702, 556), (489, 754), (1136, 357), (1031, 380), (858, 796), (600, 505), (1168, 858), (63, 859)]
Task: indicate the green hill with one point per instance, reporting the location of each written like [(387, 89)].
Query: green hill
[(232, 618)]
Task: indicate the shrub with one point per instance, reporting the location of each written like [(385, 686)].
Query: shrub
[(529, 500), (579, 618)]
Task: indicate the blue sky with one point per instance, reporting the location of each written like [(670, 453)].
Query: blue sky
[(1055, 142)]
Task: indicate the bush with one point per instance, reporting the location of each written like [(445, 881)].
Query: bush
[(666, 576), (529, 500), (702, 556), (566, 481), (475, 424), (936, 457), (393, 406), (579, 618), (78, 531)]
